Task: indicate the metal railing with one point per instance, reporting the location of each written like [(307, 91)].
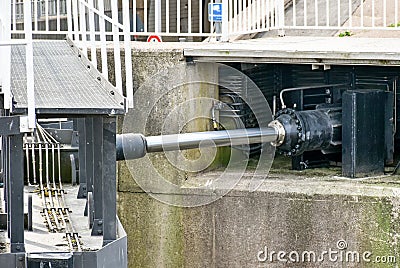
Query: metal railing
[(189, 18), (166, 18), (48, 16), (95, 32), (5, 55), (98, 26), (343, 14), (253, 16)]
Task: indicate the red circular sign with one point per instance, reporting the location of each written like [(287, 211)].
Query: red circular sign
[(154, 38)]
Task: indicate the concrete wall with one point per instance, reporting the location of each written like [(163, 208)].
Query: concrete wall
[(311, 216), (302, 211)]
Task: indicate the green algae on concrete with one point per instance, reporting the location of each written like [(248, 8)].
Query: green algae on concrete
[(155, 235), (380, 232)]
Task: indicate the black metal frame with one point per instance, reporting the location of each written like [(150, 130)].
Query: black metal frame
[(13, 176), (97, 171)]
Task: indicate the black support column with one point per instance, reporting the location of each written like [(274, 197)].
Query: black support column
[(82, 156), (89, 160), (16, 190), (109, 180), (97, 228), (6, 140), (89, 153)]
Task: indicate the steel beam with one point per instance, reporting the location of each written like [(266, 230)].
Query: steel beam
[(82, 193), (89, 152), (89, 157), (16, 190), (97, 228), (109, 181), (6, 174), (9, 125)]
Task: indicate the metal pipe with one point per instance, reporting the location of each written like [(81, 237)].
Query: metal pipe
[(209, 139), (133, 146), (305, 88), (27, 162), (33, 161)]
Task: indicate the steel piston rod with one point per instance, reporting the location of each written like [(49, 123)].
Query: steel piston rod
[(133, 146)]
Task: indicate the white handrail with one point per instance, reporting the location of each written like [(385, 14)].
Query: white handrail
[(117, 49), (6, 42), (5, 36), (128, 54), (112, 25), (180, 18), (30, 80)]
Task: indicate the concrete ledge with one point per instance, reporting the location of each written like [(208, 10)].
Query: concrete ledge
[(287, 213), (313, 50)]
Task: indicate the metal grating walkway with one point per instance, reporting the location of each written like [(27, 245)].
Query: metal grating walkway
[(63, 82)]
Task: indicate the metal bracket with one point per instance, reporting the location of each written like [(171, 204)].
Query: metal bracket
[(24, 124), (10, 125), (73, 169), (82, 192)]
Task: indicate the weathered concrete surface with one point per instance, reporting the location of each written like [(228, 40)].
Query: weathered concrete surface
[(294, 212), (303, 50), (169, 91)]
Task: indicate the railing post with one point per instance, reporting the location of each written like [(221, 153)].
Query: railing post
[(75, 19), (5, 52), (93, 50), (46, 12), (29, 65), (69, 18), (157, 16), (280, 17), (116, 46), (82, 25), (128, 53), (103, 38), (225, 21)]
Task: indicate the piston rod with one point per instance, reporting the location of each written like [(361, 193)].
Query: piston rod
[(133, 146)]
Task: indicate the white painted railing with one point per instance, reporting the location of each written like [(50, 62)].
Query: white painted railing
[(5, 55), (172, 19), (48, 16), (97, 33), (252, 16), (167, 18), (343, 14), (101, 26)]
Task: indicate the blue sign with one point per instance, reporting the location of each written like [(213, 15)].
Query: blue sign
[(215, 12)]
